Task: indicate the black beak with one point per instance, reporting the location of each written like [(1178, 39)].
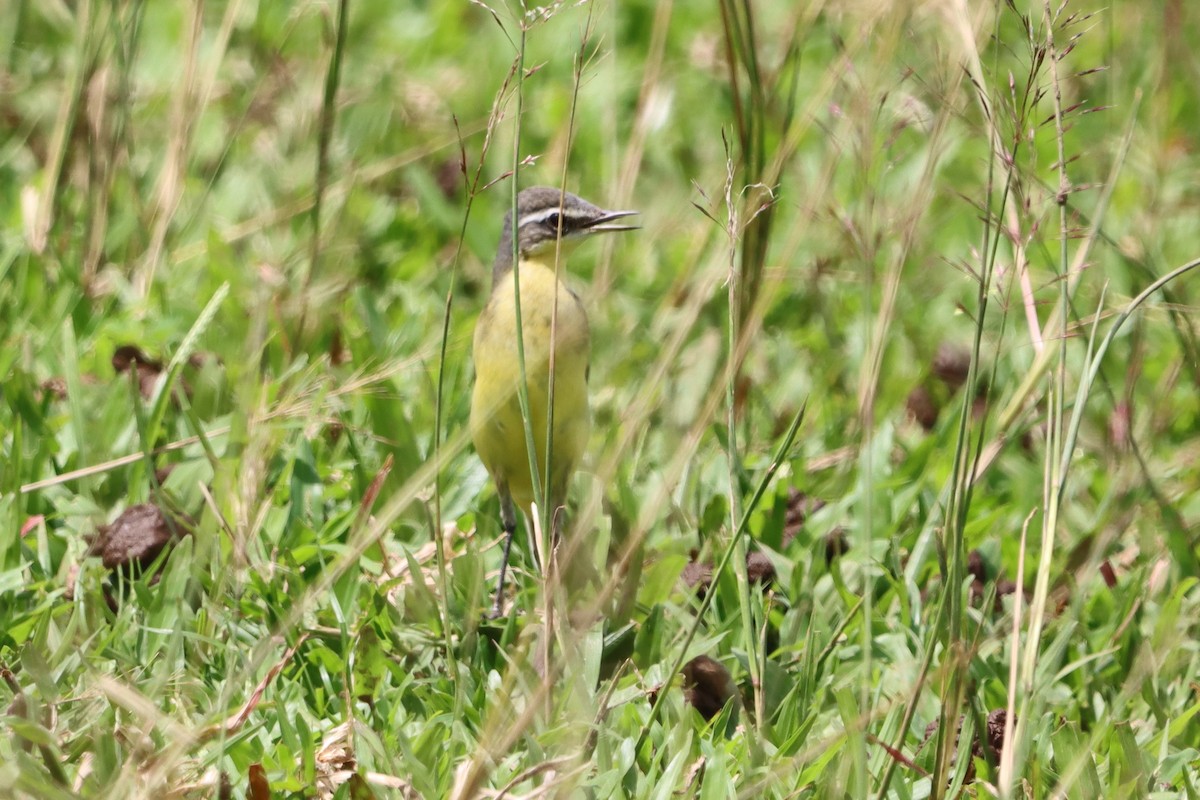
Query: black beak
[(603, 223)]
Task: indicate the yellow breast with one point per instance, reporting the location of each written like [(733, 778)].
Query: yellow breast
[(496, 423)]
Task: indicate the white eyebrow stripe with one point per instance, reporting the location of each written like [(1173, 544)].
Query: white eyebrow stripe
[(571, 217), (539, 216)]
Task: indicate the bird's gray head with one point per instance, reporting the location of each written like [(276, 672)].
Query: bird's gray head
[(544, 215)]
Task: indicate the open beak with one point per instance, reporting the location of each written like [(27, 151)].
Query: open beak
[(603, 224)]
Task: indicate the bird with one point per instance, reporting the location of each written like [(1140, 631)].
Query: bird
[(549, 223)]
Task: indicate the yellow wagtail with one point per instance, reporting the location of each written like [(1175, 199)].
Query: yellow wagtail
[(554, 331)]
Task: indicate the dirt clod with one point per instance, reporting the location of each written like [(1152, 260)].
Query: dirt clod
[(130, 356), (760, 568), (975, 566), (837, 544), (951, 364), (922, 408), (137, 537), (698, 575), (55, 387), (1005, 587), (800, 507), (993, 731), (977, 570), (707, 685)]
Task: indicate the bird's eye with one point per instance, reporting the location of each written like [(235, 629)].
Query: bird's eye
[(553, 221)]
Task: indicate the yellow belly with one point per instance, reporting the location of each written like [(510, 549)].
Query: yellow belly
[(496, 423)]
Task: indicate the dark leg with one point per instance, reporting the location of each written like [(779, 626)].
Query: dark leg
[(508, 520)]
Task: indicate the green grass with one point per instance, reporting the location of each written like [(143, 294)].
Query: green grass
[(294, 207)]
